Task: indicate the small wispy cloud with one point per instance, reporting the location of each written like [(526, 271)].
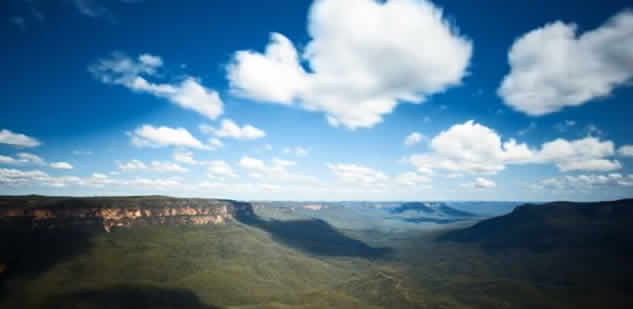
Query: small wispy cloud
[(91, 8), (18, 21), (564, 126), (82, 152), (527, 130), (414, 138), (297, 151), (95, 9)]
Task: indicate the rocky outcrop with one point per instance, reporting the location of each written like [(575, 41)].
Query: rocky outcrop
[(110, 212)]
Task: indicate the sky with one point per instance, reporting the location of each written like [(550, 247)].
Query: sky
[(318, 100)]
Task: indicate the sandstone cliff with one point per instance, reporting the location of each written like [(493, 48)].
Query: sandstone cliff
[(109, 212)]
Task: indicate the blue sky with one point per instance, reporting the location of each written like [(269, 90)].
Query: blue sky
[(318, 100)]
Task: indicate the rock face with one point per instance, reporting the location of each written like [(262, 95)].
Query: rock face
[(109, 212)]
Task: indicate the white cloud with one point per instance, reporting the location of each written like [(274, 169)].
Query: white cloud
[(275, 170), (220, 168), (474, 148), (167, 167), (99, 176), (22, 158), (132, 73), (61, 165), (362, 58), (17, 139), (412, 179), (215, 168), (589, 165), (230, 129), (150, 60), (414, 138), (14, 176), (30, 158), (481, 183), (215, 143), (275, 76), (185, 157), (553, 67), (8, 160), (251, 163), (131, 165), (241, 188), (188, 94), (150, 136), (587, 154), (280, 162), (626, 151), (156, 166), (357, 174), (158, 183), (297, 151), (583, 182)]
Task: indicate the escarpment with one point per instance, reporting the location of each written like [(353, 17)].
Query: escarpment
[(109, 212)]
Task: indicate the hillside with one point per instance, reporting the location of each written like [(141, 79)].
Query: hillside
[(571, 247), (602, 225)]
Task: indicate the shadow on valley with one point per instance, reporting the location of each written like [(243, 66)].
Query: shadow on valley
[(314, 236), (27, 251), (125, 297)]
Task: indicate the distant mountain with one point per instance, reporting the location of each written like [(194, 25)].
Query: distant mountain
[(437, 209), (486, 208), (454, 212), (412, 206), (606, 226)]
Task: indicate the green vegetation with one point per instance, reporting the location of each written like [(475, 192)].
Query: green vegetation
[(231, 264), (280, 260)]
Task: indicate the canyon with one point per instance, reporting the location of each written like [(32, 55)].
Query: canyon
[(107, 213)]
